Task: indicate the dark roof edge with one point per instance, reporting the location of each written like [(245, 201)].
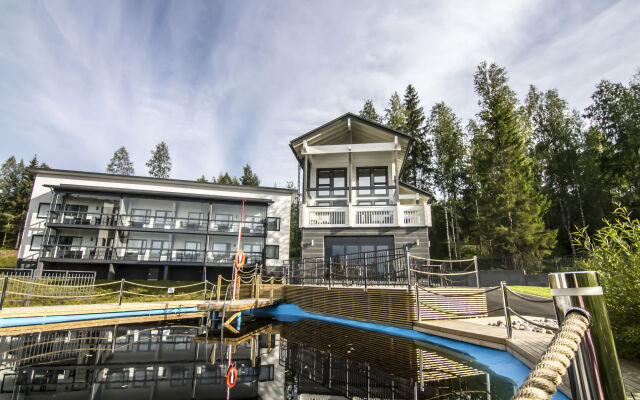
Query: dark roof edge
[(416, 189), (51, 171)]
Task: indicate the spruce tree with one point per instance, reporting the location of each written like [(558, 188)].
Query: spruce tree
[(202, 179), (394, 115), (509, 210), (417, 167), (226, 179), (120, 164), (249, 178), (160, 162), (369, 112)]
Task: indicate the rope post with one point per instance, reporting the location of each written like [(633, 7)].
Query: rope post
[(418, 307), (595, 372), (4, 291), (408, 254), (271, 291), (121, 289), (475, 265), (365, 272), (219, 288), (507, 314)]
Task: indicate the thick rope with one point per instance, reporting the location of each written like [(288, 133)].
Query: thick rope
[(545, 377)]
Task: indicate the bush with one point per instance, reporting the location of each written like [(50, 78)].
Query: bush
[(614, 251)]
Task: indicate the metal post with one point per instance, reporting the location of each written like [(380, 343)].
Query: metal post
[(475, 265), (408, 270), (4, 291), (417, 302), (121, 288), (594, 373), (329, 273), (505, 306), (219, 288), (365, 272)]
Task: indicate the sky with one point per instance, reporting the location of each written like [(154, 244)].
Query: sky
[(230, 83)]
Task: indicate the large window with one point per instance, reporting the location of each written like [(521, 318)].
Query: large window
[(159, 250), (272, 251), (36, 242), (43, 210), (163, 218), (273, 223), (75, 213), (344, 245), (373, 181), (333, 180), (136, 246), (140, 217)]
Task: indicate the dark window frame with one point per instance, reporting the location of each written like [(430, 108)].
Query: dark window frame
[(372, 183), (31, 244), (277, 251), (331, 187), (277, 219), (40, 206)]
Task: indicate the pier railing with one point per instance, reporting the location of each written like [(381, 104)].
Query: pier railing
[(393, 267)]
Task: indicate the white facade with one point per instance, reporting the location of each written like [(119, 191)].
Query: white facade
[(162, 226)]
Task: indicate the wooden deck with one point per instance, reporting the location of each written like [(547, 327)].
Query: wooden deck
[(88, 309), (525, 346)]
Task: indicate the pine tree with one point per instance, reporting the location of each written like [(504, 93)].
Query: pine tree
[(160, 162), (417, 167), (120, 164), (226, 179), (394, 115), (509, 210), (249, 178), (369, 112), (202, 179), (449, 152)]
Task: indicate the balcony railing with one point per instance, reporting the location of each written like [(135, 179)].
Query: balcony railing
[(366, 216), (72, 252), (83, 218), (360, 195), (153, 222)]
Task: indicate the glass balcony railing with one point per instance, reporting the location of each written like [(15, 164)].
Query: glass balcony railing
[(82, 218), (74, 252)]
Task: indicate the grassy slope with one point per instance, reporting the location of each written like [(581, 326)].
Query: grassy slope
[(8, 258), (537, 290)]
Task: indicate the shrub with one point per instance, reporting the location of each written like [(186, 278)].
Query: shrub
[(614, 251)]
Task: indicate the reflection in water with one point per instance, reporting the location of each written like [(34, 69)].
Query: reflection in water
[(179, 361)]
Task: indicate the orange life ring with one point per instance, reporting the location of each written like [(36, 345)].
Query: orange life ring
[(239, 259), (232, 376)]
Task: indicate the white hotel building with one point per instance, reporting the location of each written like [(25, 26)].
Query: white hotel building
[(146, 228)]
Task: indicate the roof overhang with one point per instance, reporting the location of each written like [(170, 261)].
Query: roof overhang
[(351, 129)]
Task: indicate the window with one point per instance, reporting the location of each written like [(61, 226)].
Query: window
[(43, 210), (36, 242), (140, 217), (163, 218), (371, 177), (195, 220), (136, 246), (251, 248), (75, 213), (273, 223), (272, 251), (331, 179), (159, 250), (223, 222)]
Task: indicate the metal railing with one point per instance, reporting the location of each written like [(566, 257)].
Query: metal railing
[(33, 284), (509, 311), (83, 218)]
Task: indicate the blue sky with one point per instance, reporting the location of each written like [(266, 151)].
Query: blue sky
[(226, 83)]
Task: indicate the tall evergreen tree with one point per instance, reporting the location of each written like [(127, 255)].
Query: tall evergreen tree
[(417, 167), (202, 179), (449, 153), (120, 163), (226, 179), (556, 134), (394, 115), (509, 209), (249, 178), (160, 162), (369, 112)]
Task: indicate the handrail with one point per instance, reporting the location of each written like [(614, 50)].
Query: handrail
[(544, 378)]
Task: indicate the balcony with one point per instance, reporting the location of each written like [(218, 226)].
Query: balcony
[(256, 225), (148, 255), (366, 216)]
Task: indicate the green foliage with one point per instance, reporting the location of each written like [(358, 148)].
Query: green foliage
[(394, 115), (508, 209), (535, 290), (8, 258), (160, 162), (226, 179), (369, 112), (295, 233), (417, 167), (202, 179), (614, 251), (120, 164), (248, 177), (16, 184)]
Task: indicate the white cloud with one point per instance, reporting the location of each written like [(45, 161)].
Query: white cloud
[(225, 84)]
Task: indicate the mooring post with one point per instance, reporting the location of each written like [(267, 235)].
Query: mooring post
[(4, 291), (329, 273), (505, 306), (219, 288), (365, 271), (408, 270), (594, 373), (121, 289), (475, 265)]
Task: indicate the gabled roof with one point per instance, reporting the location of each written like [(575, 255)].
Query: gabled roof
[(348, 127), (416, 189)]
